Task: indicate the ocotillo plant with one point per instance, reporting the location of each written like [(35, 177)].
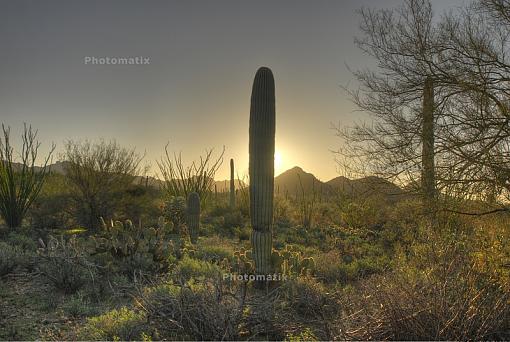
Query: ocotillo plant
[(232, 186), (20, 186), (261, 165), (193, 216)]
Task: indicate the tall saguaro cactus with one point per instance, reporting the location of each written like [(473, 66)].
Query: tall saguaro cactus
[(232, 186), (193, 216), (262, 142)]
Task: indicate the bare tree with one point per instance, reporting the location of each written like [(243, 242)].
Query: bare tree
[(97, 171), (402, 42), (464, 54), (21, 183)]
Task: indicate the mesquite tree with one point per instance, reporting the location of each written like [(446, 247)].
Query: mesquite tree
[(20, 183), (98, 171)]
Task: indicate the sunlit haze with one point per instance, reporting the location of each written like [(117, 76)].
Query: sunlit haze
[(195, 92)]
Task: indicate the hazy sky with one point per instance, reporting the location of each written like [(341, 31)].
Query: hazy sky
[(195, 93)]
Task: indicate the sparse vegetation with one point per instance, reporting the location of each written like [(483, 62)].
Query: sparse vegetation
[(100, 253)]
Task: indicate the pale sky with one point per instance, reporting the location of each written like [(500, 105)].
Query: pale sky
[(195, 93)]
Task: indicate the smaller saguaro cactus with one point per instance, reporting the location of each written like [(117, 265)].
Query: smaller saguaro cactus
[(193, 216), (232, 186)]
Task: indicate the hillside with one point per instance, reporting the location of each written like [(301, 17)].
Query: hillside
[(366, 186), (296, 180)]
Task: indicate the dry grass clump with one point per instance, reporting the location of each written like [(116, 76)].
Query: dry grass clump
[(465, 305), (205, 311), (296, 306)]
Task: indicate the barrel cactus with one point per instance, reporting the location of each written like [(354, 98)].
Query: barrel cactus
[(261, 168), (232, 186), (193, 215)]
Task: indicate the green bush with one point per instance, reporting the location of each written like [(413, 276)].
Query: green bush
[(305, 335), (66, 265), (214, 249), (78, 306), (139, 202), (233, 219), (123, 324), (52, 209), (330, 268), (22, 240), (189, 268), (9, 258)]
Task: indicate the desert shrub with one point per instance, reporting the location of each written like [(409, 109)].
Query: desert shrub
[(219, 209), (9, 258), (97, 172), (305, 335), (401, 308), (189, 268), (269, 318), (329, 267), (213, 252), (493, 254), (78, 305), (437, 292), (206, 311), (363, 213), (233, 219), (22, 240), (298, 305), (53, 208), (122, 324), (282, 210), (140, 203), (310, 299), (65, 264), (243, 233)]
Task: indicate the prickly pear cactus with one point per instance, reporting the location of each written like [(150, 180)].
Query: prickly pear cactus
[(132, 247), (262, 142), (193, 216), (292, 263), (243, 262), (175, 211)]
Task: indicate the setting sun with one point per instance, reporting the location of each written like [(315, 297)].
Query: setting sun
[(278, 162)]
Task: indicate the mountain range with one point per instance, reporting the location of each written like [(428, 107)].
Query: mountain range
[(294, 182)]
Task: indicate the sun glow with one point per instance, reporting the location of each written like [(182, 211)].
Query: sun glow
[(278, 162)]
